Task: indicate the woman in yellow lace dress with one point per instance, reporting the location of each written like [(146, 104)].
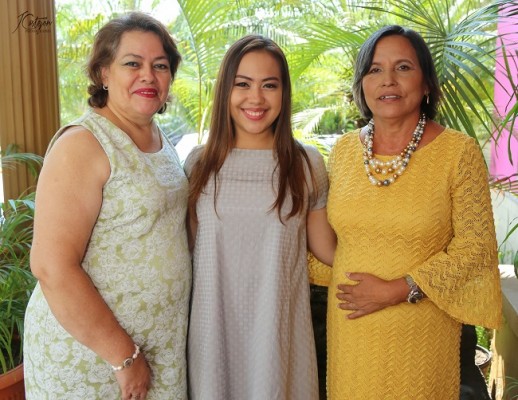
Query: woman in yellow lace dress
[(416, 254)]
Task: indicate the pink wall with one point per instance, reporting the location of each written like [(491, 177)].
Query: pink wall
[(500, 165)]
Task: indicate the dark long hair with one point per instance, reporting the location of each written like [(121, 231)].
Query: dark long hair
[(364, 62), (106, 44), (221, 140)]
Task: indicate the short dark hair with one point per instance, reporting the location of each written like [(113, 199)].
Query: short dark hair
[(364, 62), (106, 44)]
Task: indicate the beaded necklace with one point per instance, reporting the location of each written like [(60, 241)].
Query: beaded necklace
[(398, 164)]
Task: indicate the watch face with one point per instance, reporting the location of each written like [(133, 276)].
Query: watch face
[(415, 297)]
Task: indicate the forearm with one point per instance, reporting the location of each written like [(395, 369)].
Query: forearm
[(81, 310), (321, 237)]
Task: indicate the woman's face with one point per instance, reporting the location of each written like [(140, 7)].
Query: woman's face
[(394, 85), (139, 77), (256, 98)]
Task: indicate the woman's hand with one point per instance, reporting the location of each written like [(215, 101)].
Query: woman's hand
[(370, 294), (135, 380)]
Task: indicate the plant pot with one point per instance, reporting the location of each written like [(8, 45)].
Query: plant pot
[(483, 359), (11, 384)]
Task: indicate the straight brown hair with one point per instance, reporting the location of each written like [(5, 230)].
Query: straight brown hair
[(289, 153)]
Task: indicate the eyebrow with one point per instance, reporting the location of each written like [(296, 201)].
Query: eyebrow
[(397, 61), (270, 78), (140, 57)]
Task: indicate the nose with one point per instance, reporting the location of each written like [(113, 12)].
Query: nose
[(147, 73), (388, 78), (256, 95)]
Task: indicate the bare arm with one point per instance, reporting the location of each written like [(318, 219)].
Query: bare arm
[(68, 200), (321, 237)]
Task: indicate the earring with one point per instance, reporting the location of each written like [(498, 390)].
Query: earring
[(105, 88), (428, 98)]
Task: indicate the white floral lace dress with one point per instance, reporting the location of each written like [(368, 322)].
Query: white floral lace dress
[(139, 261)]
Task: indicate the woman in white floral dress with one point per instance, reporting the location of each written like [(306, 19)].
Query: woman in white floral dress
[(108, 317)]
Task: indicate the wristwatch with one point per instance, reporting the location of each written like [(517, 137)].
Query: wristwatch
[(415, 295)]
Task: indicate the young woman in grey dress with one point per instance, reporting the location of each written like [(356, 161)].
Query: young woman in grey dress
[(257, 200)]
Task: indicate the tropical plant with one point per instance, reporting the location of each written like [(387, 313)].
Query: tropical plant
[(16, 280)]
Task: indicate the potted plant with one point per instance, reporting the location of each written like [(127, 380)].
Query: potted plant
[(16, 280)]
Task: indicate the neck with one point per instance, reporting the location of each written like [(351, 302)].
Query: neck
[(391, 136), (252, 142), (144, 134)]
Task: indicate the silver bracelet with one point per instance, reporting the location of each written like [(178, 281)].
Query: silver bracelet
[(128, 362)]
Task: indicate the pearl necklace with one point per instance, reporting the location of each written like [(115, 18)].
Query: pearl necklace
[(398, 164)]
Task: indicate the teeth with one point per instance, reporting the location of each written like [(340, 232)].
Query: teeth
[(254, 113), (388, 97)]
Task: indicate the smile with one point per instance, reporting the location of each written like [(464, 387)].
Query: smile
[(146, 92), (254, 113), (389, 97)]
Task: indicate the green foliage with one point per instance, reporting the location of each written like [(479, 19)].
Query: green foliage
[(16, 280), (11, 157), (74, 41), (483, 337)]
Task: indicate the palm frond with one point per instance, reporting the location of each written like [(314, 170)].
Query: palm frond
[(11, 157)]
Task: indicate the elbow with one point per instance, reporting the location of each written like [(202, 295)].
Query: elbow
[(38, 268)]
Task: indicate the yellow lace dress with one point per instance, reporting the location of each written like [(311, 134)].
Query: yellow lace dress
[(434, 223)]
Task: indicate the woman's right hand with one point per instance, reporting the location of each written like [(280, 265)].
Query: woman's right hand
[(135, 381)]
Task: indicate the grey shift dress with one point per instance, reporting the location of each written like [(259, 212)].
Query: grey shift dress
[(250, 333)]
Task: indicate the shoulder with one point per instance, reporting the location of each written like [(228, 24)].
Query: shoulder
[(347, 139), (76, 152), (313, 157), (346, 143), (75, 140), (192, 158), (459, 141), (311, 151)]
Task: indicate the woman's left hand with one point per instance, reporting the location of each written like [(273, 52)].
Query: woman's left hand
[(370, 294)]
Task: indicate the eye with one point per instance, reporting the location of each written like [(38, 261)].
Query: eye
[(131, 64), (271, 85), (404, 67), (241, 84), (161, 66), (374, 70)]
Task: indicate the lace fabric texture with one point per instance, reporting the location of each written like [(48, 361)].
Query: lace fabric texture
[(436, 224), (139, 261)]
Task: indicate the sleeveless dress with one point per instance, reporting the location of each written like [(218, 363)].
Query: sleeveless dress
[(138, 259), (434, 223), (250, 334)]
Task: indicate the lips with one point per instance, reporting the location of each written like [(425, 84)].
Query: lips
[(254, 115), (389, 97), (147, 92)]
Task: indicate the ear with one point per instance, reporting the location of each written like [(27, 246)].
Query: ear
[(426, 90), (105, 73)]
